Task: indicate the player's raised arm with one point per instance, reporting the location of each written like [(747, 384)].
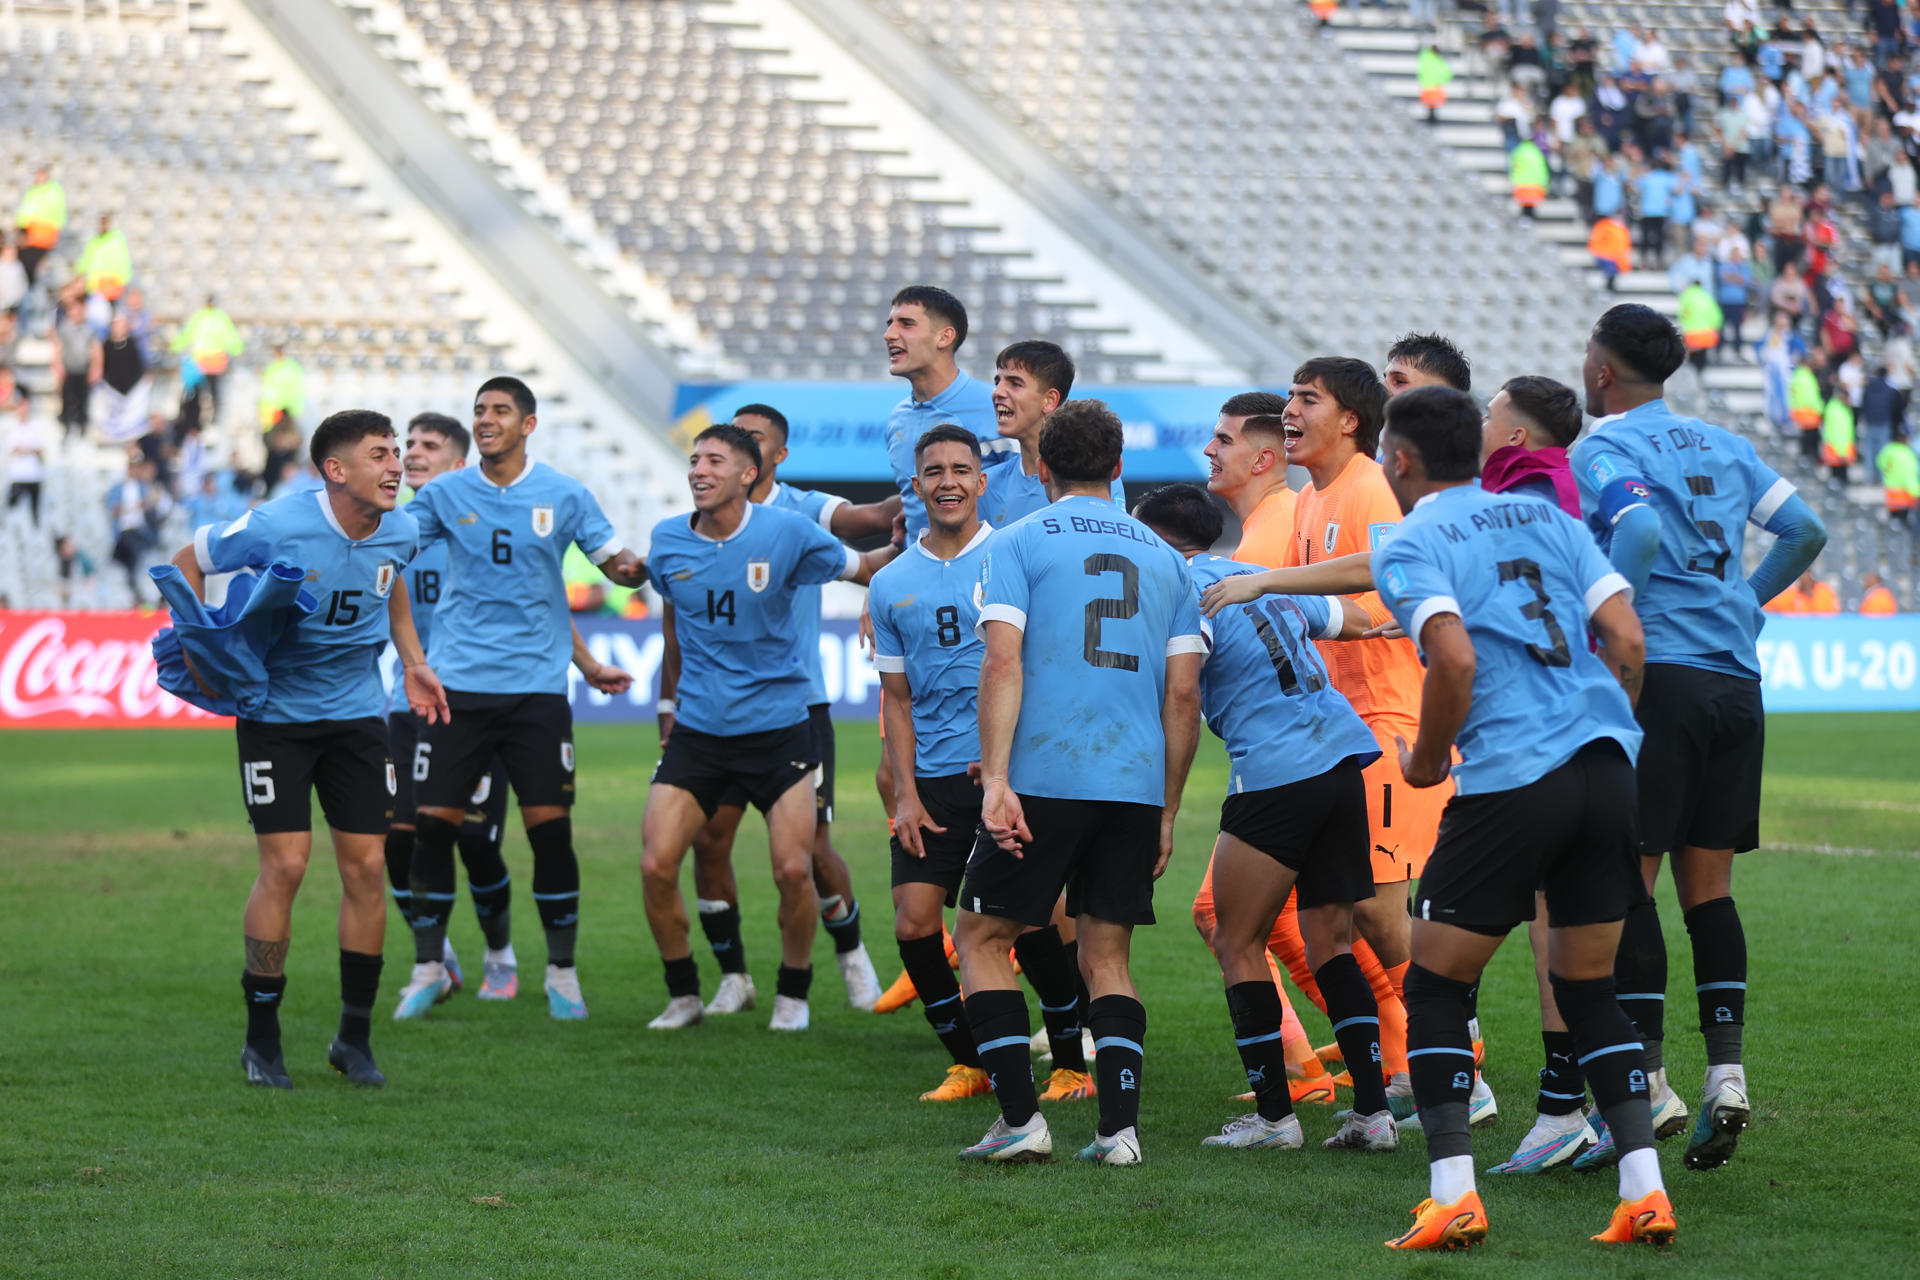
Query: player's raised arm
[(1343, 575), (867, 520)]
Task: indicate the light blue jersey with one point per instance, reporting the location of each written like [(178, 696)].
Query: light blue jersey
[(819, 508), (741, 665), (1524, 577), (924, 611), (1102, 603), (1013, 495), (503, 625), (966, 401), (426, 576), (1265, 691), (1705, 484), (326, 667)]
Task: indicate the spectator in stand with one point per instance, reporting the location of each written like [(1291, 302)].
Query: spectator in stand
[(1789, 295), (1806, 401), (136, 507), (1839, 335), (133, 305), (1515, 114), (1793, 136), (73, 345), (1839, 446), (1525, 66), (9, 340), (1649, 54), (283, 391), (1838, 162), (41, 218), (122, 389), (1581, 158), (1876, 601), (1583, 61), (1695, 266), (1882, 300), (1684, 83), (1732, 124), (1609, 190), (26, 448), (1733, 288), (1883, 20), (1434, 74), (106, 264), (1879, 412), (13, 278), (1699, 321), (1566, 112), (1611, 112), (1883, 231), (190, 456), (1899, 469), (211, 342), (1780, 354), (1759, 111), (1818, 597), (1686, 208), (1527, 170), (1653, 113), (1653, 191), (76, 568)]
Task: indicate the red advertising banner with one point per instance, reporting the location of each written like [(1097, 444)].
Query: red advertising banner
[(87, 671)]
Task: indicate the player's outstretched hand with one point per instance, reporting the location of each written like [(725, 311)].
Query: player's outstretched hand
[(627, 569), (1388, 630), (908, 821), (1411, 770), (1238, 588), (425, 696), (608, 678), (1004, 820)]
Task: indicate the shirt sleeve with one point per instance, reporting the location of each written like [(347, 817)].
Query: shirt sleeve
[(592, 532), (1322, 614), (1005, 591), (1190, 634), (1599, 580), (1610, 486), (821, 558), (243, 543), (432, 529), (1770, 492), (1412, 585), (889, 654)]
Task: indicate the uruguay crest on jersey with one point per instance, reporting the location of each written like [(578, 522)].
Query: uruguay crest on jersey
[(1333, 535), (542, 521), (383, 578), (759, 574)]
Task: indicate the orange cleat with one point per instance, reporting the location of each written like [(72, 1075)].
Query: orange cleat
[(1319, 1090), (1068, 1086), (896, 997), (1344, 1079), (953, 953), (1648, 1220), (961, 1082), (1460, 1225), (1330, 1055), (1479, 1053)]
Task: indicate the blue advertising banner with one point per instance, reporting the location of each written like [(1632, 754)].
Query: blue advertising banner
[(839, 428), (1841, 663), (852, 683)]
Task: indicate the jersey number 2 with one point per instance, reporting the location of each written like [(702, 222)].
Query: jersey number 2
[(1099, 609), (1536, 610)]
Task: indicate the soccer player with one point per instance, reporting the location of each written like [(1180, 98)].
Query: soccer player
[(1089, 716), (1295, 813), (320, 728), (731, 571), (1426, 360), (502, 640), (716, 894), (1497, 591), (1702, 713)]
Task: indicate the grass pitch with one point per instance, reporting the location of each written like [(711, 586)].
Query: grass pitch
[(509, 1145)]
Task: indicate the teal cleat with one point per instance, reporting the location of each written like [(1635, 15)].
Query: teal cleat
[(1547, 1147), (428, 986), (1717, 1132), (564, 1000), (1602, 1154)]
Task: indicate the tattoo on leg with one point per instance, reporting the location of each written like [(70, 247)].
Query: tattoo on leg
[(266, 958)]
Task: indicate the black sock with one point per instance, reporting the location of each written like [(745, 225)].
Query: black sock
[(1119, 1025), (925, 960), (400, 870), (683, 978), (1610, 1057), (722, 928), (793, 983), (359, 988), (844, 931), (263, 995), (1440, 1059), (1720, 977), (433, 886), (556, 887), (1473, 1001), (1001, 1030), (1255, 1010), (1356, 1025), (1563, 1086), (1640, 972), (489, 883), (1043, 958), (1072, 950)]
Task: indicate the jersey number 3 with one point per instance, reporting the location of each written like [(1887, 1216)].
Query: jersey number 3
[(1536, 610), (1099, 609)]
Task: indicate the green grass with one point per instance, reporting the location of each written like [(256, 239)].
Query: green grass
[(509, 1145)]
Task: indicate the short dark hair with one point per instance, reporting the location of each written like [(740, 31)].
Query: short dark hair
[(1443, 426), (521, 393), (1355, 387), (445, 424), (1270, 423), (771, 414), (946, 433), (1434, 354), (1643, 340), (1183, 514), (1048, 362), (1552, 405), (1250, 404), (939, 305), (1081, 442), (735, 438), (341, 431)]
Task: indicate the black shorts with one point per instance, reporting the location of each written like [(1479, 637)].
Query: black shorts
[(1316, 827), (1700, 764), (282, 765), (953, 802), (757, 768), (530, 734), (486, 807), (1570, 833), (1100, 851), (820, 721)]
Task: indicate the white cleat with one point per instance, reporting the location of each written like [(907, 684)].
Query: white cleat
[(1669, 1112), (863, 984), (564, 1000), (681, 1011), (1004, 1144), (1376, 1132), (1255, 1130), (1122, 1148), (1482, 1110), (1552, 1142), (789, 1014), (427, 987), (735, 994)]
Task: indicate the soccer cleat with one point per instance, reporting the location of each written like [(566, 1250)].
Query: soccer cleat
[(736, 994), (1482, 1110), (1121, 1148), (499, 980), (1460, 1225), (267, 1072), (1400, 1096), (681, 1011), (898, 996), (454, 973), (427, 987), (1004, 1144), (355, 1063), (1548, 1145), (1068, 1086), (1255, 1130), (1648, 1220), (1669, 1112), (1376, 1132), (1038, 1043), (563, 994), (1479, 1052), (1602, 1154), (1717, 1132), (863, 984), (961, 1082), (1320, 1091), (1330, 1055), (789, 1014)]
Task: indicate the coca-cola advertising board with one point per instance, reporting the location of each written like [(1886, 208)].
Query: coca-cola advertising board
[(87, 671)]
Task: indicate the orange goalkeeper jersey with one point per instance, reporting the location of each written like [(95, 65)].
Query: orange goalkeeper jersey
[(1268, 531)]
